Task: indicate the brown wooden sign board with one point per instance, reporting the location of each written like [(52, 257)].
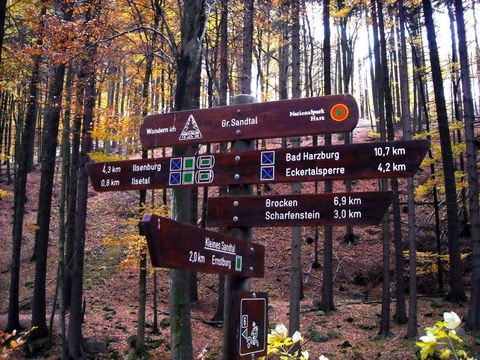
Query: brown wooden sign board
[(249, 315), (308, 116), (355, 208), (319, 163), (180, 246)]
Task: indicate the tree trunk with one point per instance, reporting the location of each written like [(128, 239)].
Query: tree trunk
[(73, 179), (142, 280), (49, 148), (223, 92), (457, 291), (20, 188), (407, 135), (326, 302), (183, 200), (296, 277), (61, 216), (76, 315), (400, 310), (473, 318), (3, 9)]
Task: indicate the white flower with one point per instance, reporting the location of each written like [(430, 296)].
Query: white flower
[(322, 357), (281, 329), (305, 355), (429, 338), (297, 337), (452, 320)]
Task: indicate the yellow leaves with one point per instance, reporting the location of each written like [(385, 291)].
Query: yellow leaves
[(427, 261), (373, 135), (100, 156), (137, 247), (134, 245), (341, 13), (5, 194)]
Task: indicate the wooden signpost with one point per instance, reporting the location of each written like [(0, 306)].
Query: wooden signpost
[(180, 246), (356, 208), (308, 116), (175, 245), (319, 163)]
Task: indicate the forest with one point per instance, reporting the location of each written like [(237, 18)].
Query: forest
[(79, 80)]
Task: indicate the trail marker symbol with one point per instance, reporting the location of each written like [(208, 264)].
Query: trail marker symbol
[(190, 131)]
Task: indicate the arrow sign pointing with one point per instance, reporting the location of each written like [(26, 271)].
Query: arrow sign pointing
[(356, 208), (308, 116), (319, 163), (180, 246)]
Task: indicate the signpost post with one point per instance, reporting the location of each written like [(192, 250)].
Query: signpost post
[(247, 121), (355, 208)]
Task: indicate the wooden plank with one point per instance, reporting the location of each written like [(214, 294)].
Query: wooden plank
[(332, 162), (339, 209), (308, 116), (249, 324), (180, 246)]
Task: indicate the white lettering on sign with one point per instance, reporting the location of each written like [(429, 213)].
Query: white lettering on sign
[(146, 167), (157, 131), (290, 215), (316, 171), (310, 113), (223, 247), (221, 262), (141, 181), (240, 122), (317, 118), (322, 155), (280, 203)]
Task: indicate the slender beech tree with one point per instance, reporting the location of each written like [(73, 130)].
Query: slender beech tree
[(48, 159), (326, 302), (223, 94), (62, 208), (473, 318), (20, 187), (183, 200), (296, 277), (142, 281), (400, 311), (3, 10), (75, 336), (407, 135), (457, 290), (49, 148)]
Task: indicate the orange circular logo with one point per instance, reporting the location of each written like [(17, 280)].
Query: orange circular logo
[(339, 112)]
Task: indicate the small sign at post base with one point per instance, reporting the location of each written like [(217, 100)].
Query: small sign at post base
[(249, 312)]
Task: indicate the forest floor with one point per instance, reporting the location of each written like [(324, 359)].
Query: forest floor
[(110, 290)]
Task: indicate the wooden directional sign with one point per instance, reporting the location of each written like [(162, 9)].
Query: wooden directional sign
[(332, 162), (308, 116), (356, 208), (180, 246), (249, 324)]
